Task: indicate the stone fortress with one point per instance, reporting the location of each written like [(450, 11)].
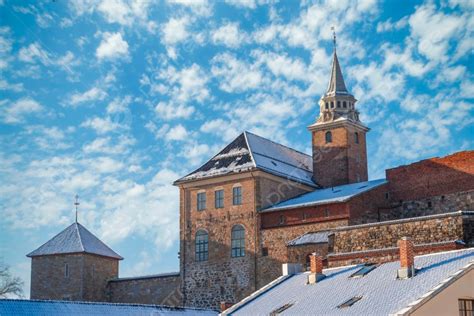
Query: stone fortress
[(257, 205)]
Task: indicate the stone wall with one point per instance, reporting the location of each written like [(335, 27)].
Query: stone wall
[(300, 253), (87, 279), (275, 241), (364, 208), (428, 229), (439, 204), (158, 290)]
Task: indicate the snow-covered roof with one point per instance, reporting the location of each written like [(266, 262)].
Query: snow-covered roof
[(60, 308), (380, 291), (310, 238), (146, 277), (75, 239), (336, 84), (337, 194), (248, 152)]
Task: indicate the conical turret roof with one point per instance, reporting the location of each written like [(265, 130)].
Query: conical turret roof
[(336, 83), (75, 239)]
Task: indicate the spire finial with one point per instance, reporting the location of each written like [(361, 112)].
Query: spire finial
[(333, 29), (76, 203)]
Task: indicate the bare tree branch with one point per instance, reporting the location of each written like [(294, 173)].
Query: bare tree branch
[(9, 285)]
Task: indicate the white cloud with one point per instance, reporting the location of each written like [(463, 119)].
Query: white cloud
[(229, 35), (16, 112), (106, 165), (389, 26), (433, 31), (91, 95), (112, 46), (119, 105), (177, 132), (107, 145), (235, 75), (33, 53), (101, 125), (16, 87), (174, 31), (187, 83), (198, 7), (249, 4), (169, 111), (282, 65)]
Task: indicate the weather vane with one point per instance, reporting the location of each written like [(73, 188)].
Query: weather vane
[(76, 203), (333, 29)]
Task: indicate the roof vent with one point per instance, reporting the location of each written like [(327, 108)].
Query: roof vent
[(274, 163), (350, 302), (281, 309), (368, 267)]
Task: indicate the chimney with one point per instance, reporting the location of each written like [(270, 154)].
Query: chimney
[(225, 305), (291, 268), (407, 259), (316, 268)]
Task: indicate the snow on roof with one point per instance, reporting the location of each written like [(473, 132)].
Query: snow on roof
[(337, 194), (75, 239), (249, 151), (382, 293), (310, 238), (60, 308), (145, 277)]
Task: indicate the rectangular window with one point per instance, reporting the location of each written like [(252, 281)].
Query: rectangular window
[(466, 307), (237, 196), (66, 270), (201, 201), (219, 199)]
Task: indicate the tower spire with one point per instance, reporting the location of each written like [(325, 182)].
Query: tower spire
[(76, 204), (336, 82)]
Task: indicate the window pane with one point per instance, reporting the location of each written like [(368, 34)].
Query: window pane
[(219, 199), (201, 246), (238, 241), (237, 196), (201, 201)]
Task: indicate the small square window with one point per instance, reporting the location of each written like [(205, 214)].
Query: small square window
[(201, 201), (264, 251), (219, 199), (237, 195)]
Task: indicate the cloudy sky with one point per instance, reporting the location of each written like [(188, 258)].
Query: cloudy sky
[(114, 100)]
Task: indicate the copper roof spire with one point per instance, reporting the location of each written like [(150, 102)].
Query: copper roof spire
[(336, 83)]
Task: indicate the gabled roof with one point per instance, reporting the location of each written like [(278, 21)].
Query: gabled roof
[(310, 238), (75, 239), (249, 152), (337, 194), (60, 308), (336, 83), (380, 291)]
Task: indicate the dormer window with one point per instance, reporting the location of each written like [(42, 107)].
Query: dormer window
[(328, 137)]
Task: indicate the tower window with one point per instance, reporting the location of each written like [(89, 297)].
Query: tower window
[(282, 220), (202, 245), (327, 106), (356, 138), (344, 104), (201, 201), (66, 270), (238, 241), (219, 199), (237, 195), (338, 104), (328, 137), (332, 105)]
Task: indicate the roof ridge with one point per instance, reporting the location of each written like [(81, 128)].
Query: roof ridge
[(80, 236), (250, 150), (274, 142)]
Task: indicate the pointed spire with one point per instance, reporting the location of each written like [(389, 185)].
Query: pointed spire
[(336, 83)]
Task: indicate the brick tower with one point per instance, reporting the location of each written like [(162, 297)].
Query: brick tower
[(338, 136), (74, 265)]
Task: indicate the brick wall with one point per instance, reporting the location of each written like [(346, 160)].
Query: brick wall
[(158, 290), (87, 280), (275, 240), (364, 208), (432, 177), (342, 161), (300, 253), (430, 229)]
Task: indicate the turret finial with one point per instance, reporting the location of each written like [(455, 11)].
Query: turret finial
[(76, 203), (333, 29)]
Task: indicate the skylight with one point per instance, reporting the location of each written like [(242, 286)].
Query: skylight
[(350, 302), (363, 271), (281, 309)]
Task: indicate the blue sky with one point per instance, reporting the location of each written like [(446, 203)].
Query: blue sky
[(114, 100)]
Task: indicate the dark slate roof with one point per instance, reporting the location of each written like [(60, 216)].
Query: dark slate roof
[(310, 238), (146, 277), (382, 293), (62, 308), (336, 84), (75, 239), (337, 194), (249, 152)]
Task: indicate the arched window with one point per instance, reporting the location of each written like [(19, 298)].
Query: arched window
[(328, 137), (356, 138), (238, 241), (202, 245)]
